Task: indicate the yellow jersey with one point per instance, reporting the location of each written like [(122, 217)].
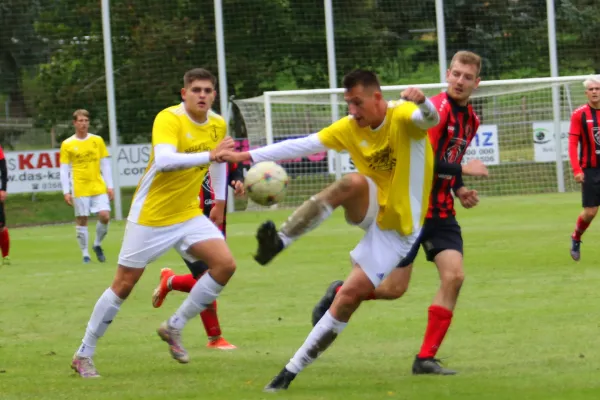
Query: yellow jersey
[(171, 197), (84, 156), (397, 156)]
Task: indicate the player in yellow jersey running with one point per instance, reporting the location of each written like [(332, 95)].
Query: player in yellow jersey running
[(86, 181), (387, 198), (165, 215)]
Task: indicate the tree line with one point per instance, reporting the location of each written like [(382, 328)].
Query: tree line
[(52, 61)]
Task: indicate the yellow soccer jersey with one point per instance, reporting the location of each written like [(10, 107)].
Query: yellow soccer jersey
[(170, 197), (84, 155), (397, 156)]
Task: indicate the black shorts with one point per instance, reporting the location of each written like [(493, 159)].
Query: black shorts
[(437, 235), (2, 215), (590, 188)]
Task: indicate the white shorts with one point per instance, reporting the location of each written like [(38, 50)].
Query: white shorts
[(84, 206), (144, 244), (379, 252)]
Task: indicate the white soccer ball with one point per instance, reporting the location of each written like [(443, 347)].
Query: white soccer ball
[(266, 183)]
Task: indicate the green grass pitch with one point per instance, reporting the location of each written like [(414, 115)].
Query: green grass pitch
[(526, 326)]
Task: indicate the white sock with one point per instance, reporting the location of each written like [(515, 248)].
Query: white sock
[(204, 292), (318, 340), (285, 239), (101, 231), (82, 239), (105, 310)]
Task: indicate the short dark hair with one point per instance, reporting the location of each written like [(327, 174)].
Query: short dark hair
[(198, 74), (367, 79)]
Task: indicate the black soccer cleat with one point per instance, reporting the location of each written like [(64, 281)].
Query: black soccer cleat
[(99, 253), (575, 249), (269, 243), (423, 366), (325, 302), (280, 382)]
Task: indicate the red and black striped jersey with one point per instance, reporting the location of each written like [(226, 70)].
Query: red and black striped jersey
[(585, 133), (207, 194), (449, 139)]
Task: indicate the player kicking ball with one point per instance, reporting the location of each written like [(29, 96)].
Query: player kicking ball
[(584, 134), (164, 215), (86, 180), (387, 198), (184, 283), (441, 237)]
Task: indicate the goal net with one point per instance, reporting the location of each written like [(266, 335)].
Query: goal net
[(516, 139)]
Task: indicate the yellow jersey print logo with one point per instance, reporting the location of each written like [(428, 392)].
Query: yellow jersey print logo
[(213, 135)]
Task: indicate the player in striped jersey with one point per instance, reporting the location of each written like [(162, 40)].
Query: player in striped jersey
[(584, 133), (164, 215), (387, 198), (441, 236)]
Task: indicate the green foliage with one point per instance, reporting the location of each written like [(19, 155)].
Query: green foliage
[(270, 45)]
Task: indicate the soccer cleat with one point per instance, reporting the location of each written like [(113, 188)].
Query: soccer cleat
[(173, 337), (87, 259), (280, 382), (325, 302), (220, 344), (431, 365), (6, 260), (161, 291), (99, 253), (85, 367), (575, 249), (269, 243)]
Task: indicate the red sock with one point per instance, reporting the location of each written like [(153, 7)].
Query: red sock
[(211, 320), (183, 283), (580, 227), (4, 242), (437, 326), (370, 297)]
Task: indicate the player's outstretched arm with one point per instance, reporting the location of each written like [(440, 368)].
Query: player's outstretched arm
[(426, 116), (290, 148), (167, 158)]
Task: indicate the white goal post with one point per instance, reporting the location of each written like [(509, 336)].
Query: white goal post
[(523, 134)]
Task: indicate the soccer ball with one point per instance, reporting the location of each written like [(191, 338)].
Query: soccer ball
[(266, 183)]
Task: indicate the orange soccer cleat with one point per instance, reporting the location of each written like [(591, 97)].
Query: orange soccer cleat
[(161, 291), (221, 344)]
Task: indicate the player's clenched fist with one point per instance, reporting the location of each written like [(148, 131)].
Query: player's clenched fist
[(227, 144), (413, 94)]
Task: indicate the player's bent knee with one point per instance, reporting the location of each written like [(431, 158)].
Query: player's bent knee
[(125, 280), (591, 212)]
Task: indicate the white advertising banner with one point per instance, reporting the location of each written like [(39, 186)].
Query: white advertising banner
[(544, 142), (39, 171)]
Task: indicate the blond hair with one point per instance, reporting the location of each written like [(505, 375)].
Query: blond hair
[(468, 58), (80, 113), (591, 79)]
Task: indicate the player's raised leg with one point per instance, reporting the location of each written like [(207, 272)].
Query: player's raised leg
[(351, 192), (376, 255)]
